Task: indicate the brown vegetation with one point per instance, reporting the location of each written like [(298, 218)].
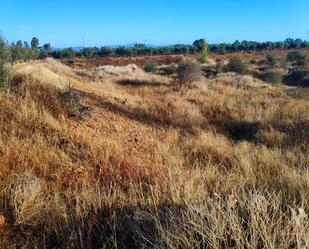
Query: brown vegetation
[(169, 59), (221, 164)]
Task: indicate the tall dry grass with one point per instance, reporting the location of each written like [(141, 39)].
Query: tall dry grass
[(227, 168)]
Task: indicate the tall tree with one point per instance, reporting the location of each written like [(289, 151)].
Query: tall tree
[(47, 47), (34, 43), (19, 44), (204, 54), (199, 44), (26, 45)]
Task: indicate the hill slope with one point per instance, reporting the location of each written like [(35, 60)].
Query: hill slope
[(118, 158)]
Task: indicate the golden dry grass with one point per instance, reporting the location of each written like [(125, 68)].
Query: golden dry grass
[(221, 164)]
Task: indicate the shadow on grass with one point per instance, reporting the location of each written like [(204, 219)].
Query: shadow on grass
[(297, 132), (140, 83), (238, 130), (152, 226), (140, 115), (130, 227)]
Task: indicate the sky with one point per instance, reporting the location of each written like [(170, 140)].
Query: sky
[(66, 23)]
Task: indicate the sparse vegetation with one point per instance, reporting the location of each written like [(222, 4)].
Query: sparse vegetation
[(272, 76), (221, 164), (150, 67), (236, 65), (5, 57), (188, 72), (297, 57), (272, 60), (219, 66), (170, 70)]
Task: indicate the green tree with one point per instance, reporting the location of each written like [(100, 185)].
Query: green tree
[(45, 51), (68, 53), (123, 51), (26, 45), (204, 53), (88, 52), (5, 58), (199, 44), (47, 47), (19, 43), (106, 51), (236, 45), (17, 52), (34, 43)]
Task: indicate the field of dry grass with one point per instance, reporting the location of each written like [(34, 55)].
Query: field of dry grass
[(168, 59), (113, 157)]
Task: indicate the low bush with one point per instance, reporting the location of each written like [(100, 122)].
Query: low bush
[(170, 69), (272, 76), (297, 57), (236, 65), (188, 72), (150, 67), (71, 100), (219, 66), (272, 60), (25, 198), (298, 77)]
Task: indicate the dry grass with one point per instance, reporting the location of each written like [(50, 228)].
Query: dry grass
[(221, 164)]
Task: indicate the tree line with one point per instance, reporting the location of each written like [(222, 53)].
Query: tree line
[(23, 51)]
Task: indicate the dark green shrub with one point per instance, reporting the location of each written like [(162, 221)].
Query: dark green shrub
[(5, 58), (236, 65), (298, 77), (298, 57), (188, 72), (271, 59), (150, 67), (170, 70), (272, 77)]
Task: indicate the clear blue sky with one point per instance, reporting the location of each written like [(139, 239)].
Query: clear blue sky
[(64, 23)]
